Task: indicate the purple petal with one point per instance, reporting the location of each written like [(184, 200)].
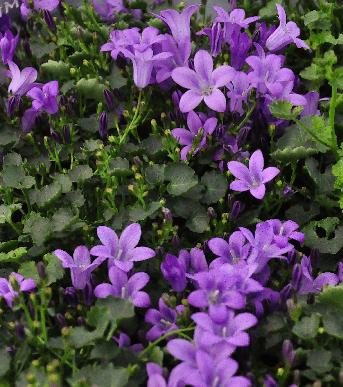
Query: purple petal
[(182, 350), (256, 163), (141, 300), (65, 258), (258, 192), (190, 100), (137, 282), (130, 237), (101, 251), (184, 136), (269, 174), (219, 247), (186, 78), (107, 236), (81, 256), (239, 185), (142, 253), (27, 285), (198, 298), (203, 65), (216, 101), (223, 75), (103, 290), (239, 170)]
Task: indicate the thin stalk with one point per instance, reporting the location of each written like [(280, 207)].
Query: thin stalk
[(134, 120)]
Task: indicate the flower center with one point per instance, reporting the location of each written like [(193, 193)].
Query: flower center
[(213, 296), (208, 90), (216, 381), (166, 323), (123, 292)]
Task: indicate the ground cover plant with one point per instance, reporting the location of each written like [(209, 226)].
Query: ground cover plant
[(171, 193)]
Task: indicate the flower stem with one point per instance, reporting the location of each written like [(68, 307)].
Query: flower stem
[(135, 119)]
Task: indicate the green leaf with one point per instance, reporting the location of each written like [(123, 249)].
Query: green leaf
[(62, 219), (324, 181), (91, 88), (15, 177), (138, 213), (332, 296), (307, 327), (80, 173), (116, 308), (54, 69), (182, 178), (319, 360), (116, 79), (284, 110), (311, 17), (38, 227), (198, 221), (333, 322), (54, 269), (96, 376), (39, 50), (13, 255), (47, 195), (216, 186), (154, 174), (90, 124), (332, 240), (303, 212), (6, 212), (318, 129), (64, 181), (9, 136), (5, 361), (120, 167)]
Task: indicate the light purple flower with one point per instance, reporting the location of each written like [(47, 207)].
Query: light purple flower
[(283, 92), (22, 81), (240, 44), (233, 251), (267, 71), (163, 320), (155, 375), (215, 35), (122, 251), (285, 231), (252, 179), (179, 22), (203, 83), (45, 98), (107, 9), (239, 88), (121, 40), (8, 293), (311, 106), (174, 272), (8, 44), (48, 5), (231, 331), (28, 120), (124, 341), (285, 34), (194, 139), (194, 261), (80, 265), (126, 288)]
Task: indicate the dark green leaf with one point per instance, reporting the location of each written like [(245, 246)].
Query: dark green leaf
[(307, 327), (181, 177), (216, 186)]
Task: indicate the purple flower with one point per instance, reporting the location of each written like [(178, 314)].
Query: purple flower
[(252, 179), (285, 231), (310, 285), (80, 265), (311, 106), (163, 320), (8, 293), (155, 375), (107, 9), (239, 88), (194, 139), (49, 5), (283, 92), (28, 120), (240, 44), (123, 287), (231, 331), (216, 36), (179, 22), (217, 293), (194, 261), (22, 81), (233, 251), (233, 21), (8, 44), (45, 98), (174, 272), (263, 246), (122, 252), (143, 64), (285, 34), (121, 40), (203, 83), (124, 341), (267, 72)]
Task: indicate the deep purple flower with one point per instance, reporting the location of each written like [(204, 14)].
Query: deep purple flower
[(285, 34), (124, 341), (194, 261), (262, 33), (267, 71), (215, 35), (103, 122), (174, 272), (8, 293), (285, 231), (29, 119), (163, 320), (123, 287), (231, 331), (310, 285), (240, 44), (45, 97), (8, 44), (22, 81), (5, 23), (194, 139), (311, 106), (288, 353), (179, 22), (233, 251), (80, 265), (49, 20), (239, 88), (109, 99), (122, 251), (203, 83), (252, 179)]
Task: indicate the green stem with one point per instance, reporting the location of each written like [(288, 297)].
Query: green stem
[(171, 333), (332, 111), (27, 314), (134, 120), (42, 310), (245, 119)]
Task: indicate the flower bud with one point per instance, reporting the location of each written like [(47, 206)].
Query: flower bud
[(235, 210), (61, 320), (103, 122), (288, 353), (109, 99), (211, 213), (296, 277), (167, 214), (12, 104), (66, 134), (41, 269), (56, 136), (49, 20)]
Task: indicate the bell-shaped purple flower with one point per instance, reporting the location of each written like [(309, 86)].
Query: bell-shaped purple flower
[(45, 97), (285, 34), (80, 265), (284, 231), (239, 47), (174, 272), (22, 81), (123, 287), (194, 139), (8, 293), (203, 83), (215, 35), (123, 251), (239, 88), (8, 44), (252, 179)]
